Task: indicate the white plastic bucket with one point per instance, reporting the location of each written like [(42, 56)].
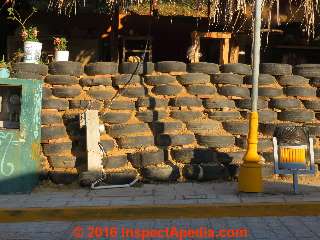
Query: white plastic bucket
[(32, 52), (61, 56)]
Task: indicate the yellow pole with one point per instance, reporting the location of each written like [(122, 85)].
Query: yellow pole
[(250, 176)]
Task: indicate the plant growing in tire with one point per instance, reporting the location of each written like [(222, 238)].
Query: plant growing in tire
[(61, 53), (29, 35)]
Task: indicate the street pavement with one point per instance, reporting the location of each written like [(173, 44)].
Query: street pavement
[(260, 228)]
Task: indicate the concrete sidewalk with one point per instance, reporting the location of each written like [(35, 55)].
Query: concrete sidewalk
[(148, 201)]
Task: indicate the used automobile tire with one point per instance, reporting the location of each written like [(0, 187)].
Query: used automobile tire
[(224, 115), (298, 115), (161, 173), (186, 116), (276, 69), (238, 68), (143, 159), (63, 177), (292, 80), (264, 79), (211, 103), (56, 148), (205, 172), (201, 89), (203, 67), (193, 78), (270, 92), (62, 161), (173, 139), (301, 91), (101, 68), (151, 116), (125, 79), (203, 125), (307, 70), (246, 103), (215, 141), (115, 161), (226, 78), (167, 126), (285, 103), (169, 89), (313, 104), (53, 103), (95, 81), (119, 130), (152, 102), (170, 66), (121, 105), (66, 92), (101, 93), (50, 117), (236, 127), (136, 68), (115, 117), (61, 80), (121, 177), (53, 132), (185, 101), (156, 80), (66, 68), (39, 69), (230, 91), (133, 91)]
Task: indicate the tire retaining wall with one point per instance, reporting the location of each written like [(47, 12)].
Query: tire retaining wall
[(170, 120)]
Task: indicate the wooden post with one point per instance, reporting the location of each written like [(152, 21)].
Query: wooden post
[(234, 51), (115, 35), (224, 51)]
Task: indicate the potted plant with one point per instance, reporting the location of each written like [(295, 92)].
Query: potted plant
[(4, 71), (60, 45), (29, 35)]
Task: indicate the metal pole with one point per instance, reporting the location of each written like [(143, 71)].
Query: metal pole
[(250, 176), (256, 53)]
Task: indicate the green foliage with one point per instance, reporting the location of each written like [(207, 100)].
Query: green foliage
[(3, 63), (60, 44)]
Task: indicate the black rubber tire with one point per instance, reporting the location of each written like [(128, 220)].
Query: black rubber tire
[(101, 93), (85, 104), (39, 69), (170, 66), (276, 69), (270, 92), (121, 105), (201, 89), (301, 91), (174, 139), (52, 103), (227, 78), (224, 115), (214, 141), (203, 125), (227, 158), (140, 141), (46, 92), (193, 78), (101, 68), (211, 103), (263, 143), (194, 155), (53, 132), (169, 89), (125, 79), (185, 101), (315, 82), (285, 103), (156, 80), (307, 70), (236, 91), (236, 127), (292, 80), (299, 115), (62, 161), (61, 177), (56, 148), (50, 117), (136, 68), (61, 80), (269, 128), (88, 177), (116, 161), (95, 81), (66, 91), (161, 173), (264, 79), (27, 75), (133, 91), (166, 126), (186, 116), (238, 68), (209, 172), (119, 178), (152, 102), (313, 104), (266, 115), (246, 103), (151, 116), (144, 159), (66, 68), (203, 67), (313, 129), (119, 130), (115, 117), (73, 129), (70, 117), (107, 144)]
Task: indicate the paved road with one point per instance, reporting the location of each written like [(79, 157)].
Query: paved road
[(261, 228)]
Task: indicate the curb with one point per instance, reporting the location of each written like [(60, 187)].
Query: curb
[(159, 211)]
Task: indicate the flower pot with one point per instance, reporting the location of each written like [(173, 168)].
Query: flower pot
[(32, 52), (61, 56), (4, 73)]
